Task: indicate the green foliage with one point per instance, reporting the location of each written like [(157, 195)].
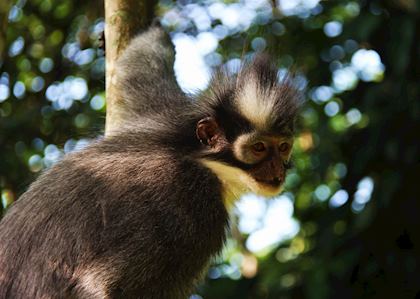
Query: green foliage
[(48, 42), (356, 155)]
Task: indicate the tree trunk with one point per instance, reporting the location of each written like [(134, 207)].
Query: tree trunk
[(124, 18)]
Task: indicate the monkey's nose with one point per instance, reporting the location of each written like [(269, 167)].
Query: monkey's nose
[(279, 179), (276, 180)]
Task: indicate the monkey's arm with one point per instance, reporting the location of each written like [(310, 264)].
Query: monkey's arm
[(145, 77)]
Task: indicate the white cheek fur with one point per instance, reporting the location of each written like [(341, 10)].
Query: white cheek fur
[(236, 182), (239, 149)]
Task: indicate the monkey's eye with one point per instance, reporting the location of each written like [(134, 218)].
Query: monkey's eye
[(258, 148), (284, 147)]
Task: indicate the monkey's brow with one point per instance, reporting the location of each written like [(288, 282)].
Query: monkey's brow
[(287, 134), (284, 133)]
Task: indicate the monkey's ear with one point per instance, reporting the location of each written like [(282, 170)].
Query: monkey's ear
[(209, 132)]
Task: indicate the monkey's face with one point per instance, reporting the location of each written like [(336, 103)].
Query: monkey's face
[(267, 158), (251, 161)]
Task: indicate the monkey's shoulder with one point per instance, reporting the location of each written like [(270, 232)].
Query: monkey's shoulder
[(126, 168), (140, 161)]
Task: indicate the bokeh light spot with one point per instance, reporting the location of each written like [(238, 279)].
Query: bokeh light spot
[(368, 65), (322, 192), (331, 109), (353, 116), (297, 7), (4, 92), (278, 28), (258, 44), (344, 79), (15, 14), (46, 65), (97, 102), (339, 198), (35, 163), (62, 94), (191, 70), (19, 89), (277, 225), (7, 198), (321, 94), (333, 28), (16, 47), (37, 84), (81, 120)]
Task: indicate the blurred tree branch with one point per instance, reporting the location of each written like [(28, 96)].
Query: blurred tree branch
[(124, 18)]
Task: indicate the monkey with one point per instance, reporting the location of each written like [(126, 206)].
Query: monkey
[(141, 212)]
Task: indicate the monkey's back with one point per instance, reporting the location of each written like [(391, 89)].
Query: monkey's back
[(112, 222)]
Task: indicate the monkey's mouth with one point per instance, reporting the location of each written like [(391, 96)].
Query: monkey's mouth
[(274, 183)]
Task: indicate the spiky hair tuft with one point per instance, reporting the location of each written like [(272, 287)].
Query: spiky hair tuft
[(258, 93)]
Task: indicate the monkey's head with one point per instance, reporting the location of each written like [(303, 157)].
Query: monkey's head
[(247, 133)]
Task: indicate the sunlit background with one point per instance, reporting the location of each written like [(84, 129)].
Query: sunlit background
[(346, 225)]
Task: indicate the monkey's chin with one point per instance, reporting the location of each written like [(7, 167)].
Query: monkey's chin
[(268, 190)]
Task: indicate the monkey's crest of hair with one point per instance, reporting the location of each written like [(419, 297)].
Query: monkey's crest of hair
[(257, 91)]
